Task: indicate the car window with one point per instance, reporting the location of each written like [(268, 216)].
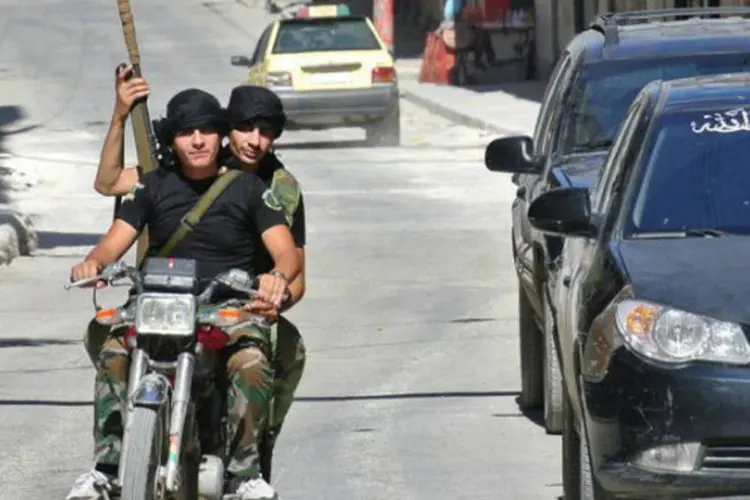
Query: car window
[(632, 144), (604, 90), (260, 48), (613, 163), (695, 176), (557, 103), (326, 34), (552, 95)]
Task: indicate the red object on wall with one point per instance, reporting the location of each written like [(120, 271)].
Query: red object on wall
[(383, 20), (494, 10), (437, 61), (428, 56), (473, 15)]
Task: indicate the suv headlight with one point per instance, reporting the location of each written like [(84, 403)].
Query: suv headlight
[(673, 336), (165, 314)]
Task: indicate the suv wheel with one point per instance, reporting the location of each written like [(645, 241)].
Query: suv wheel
[(532, 355), (553, 385)]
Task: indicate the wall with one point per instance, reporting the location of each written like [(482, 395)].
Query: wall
[(546, 37)]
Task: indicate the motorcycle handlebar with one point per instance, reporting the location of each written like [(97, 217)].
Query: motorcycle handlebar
[(235, 279), (111, 272)]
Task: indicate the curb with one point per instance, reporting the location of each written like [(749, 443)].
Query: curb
[(452, 115), (17, 236)]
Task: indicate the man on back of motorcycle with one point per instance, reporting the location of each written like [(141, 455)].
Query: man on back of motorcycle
[(256, 119), (239, 224)]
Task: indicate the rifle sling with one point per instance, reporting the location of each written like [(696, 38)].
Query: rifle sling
[(192, 218)]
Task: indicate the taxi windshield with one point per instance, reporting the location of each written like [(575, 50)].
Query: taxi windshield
[(695, 176), (603, 92), (323, 35)]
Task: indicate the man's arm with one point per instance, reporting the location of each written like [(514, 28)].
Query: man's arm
[(297, 286), (112, 179), (266, 218), (280, 245), (299, 233), (123, 232), (113, 245), (110, 249)]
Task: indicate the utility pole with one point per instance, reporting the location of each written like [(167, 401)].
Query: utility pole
[(382, 15)]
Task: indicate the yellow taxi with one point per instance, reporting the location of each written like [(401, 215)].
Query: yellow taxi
[(330, 69)]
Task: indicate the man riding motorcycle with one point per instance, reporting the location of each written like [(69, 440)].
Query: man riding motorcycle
[(256, 119), (239, 224)]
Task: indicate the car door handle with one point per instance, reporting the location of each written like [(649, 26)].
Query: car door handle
[(521, 192), (566, 281)]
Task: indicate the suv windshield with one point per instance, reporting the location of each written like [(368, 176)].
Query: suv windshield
[(696, 174), (603, 91), (324, 34)]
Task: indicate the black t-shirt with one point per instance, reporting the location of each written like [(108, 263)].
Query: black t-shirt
[(266, 170), (228, 235)]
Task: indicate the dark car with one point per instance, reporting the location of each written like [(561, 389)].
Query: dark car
[(653, 300), (589, 92)]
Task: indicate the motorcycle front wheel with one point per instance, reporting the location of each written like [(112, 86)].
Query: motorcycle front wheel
[(142, 455)]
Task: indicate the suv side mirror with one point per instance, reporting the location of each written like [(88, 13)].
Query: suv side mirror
[(240, 61), (512, 155), (563, 212)]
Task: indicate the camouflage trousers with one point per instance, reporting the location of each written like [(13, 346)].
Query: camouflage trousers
[(252, 384)]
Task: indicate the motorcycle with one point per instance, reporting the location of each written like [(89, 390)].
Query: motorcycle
[(175, 444)]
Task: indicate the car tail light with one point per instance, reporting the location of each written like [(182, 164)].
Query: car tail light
[(383, 75), (278, 79)]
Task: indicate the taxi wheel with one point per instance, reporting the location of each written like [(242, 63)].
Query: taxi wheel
[(386, 132)]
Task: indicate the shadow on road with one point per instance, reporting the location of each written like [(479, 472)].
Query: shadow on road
[(48, 239), (413, 395), (4, 184), (43, 402), (535, 416), (8, 342), (47, 370), (306, 399), (9, 114)]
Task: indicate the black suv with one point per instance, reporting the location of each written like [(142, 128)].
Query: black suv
[(591, 88)]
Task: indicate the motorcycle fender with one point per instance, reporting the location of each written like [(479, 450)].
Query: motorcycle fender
[(153, 391)]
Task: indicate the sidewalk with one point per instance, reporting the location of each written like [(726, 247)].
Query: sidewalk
[(507, 109)]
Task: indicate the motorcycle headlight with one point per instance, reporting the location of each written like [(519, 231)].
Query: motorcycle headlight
[(673, 336), (165, 314)]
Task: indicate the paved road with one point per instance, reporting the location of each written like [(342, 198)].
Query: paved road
[(410, 317)]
